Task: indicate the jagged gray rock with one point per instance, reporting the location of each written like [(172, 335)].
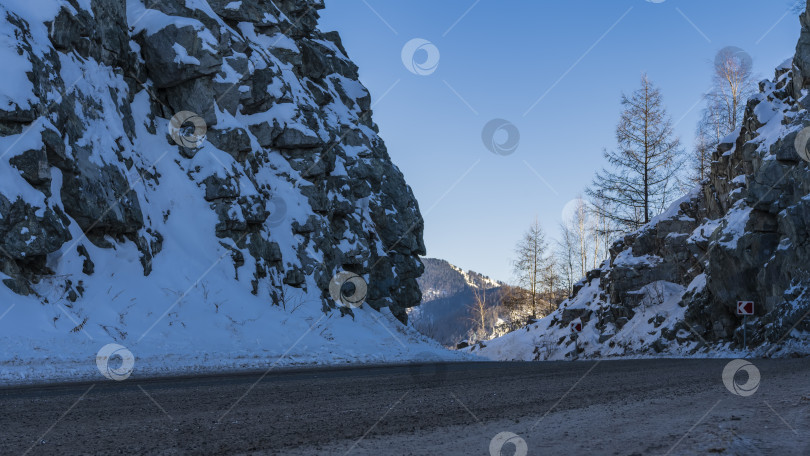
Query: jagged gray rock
[(277, 95)]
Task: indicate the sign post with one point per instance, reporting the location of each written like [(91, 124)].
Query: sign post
[(745, 308)]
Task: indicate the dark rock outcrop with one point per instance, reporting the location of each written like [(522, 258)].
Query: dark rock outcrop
[(290, 160)]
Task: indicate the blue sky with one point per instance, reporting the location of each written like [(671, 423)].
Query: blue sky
[(497, 58)]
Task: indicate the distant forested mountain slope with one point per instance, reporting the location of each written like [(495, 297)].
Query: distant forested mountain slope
[(447, 312)]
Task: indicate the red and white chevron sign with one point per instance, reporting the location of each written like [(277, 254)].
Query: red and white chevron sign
[(576, 326), (745, 307)]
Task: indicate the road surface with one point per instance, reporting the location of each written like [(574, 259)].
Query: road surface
[(609, 407)]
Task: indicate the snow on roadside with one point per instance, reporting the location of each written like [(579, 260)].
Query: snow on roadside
[(238, 334), (659, 310)]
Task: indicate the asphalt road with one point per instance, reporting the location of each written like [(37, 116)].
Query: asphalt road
[(609, 407)]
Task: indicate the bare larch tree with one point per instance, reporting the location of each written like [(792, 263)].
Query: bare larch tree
[(566, 256), (733, 82), (478, 312), (530, 263), (641, 180)]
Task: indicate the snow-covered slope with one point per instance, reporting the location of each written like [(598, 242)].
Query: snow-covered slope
[(475, 279), (671, 288), (211, 241)]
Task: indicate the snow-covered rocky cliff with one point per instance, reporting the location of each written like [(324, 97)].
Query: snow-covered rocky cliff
[(671, 289), (186, 178)]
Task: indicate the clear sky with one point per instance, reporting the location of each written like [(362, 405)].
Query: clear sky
[(553, 69)]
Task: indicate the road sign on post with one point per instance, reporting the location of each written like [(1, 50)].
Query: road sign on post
[(745, 308), (576, 326)]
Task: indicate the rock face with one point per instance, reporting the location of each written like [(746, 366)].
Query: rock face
[(288, 161), (673, 286)]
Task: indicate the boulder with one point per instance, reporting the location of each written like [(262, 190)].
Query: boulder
[(177, 54)]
